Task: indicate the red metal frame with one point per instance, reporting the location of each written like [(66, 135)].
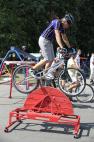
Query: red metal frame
[(46, 104)]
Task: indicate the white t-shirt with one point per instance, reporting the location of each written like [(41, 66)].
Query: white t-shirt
[(92, 61)]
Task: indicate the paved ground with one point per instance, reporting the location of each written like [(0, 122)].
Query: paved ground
[(35, 131)]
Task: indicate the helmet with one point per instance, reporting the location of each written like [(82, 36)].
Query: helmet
[(69, 18)]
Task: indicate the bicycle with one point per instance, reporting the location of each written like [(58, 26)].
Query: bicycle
[(25, 80)]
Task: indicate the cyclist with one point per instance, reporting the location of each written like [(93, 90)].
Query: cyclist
[(56, 30)]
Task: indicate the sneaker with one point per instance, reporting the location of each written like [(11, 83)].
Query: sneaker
[(33, 72), (38, 74), (49, 76)]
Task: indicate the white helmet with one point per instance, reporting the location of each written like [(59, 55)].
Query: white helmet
[(69, 18)]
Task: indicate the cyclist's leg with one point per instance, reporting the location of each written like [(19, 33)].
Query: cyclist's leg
[(74, 85), (39, 64), (47, 53), (50, 63)]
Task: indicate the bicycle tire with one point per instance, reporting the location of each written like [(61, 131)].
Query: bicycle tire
[(23, 82), (86, 95), (68, 82)]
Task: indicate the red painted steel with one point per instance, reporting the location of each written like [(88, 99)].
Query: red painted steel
[(47, 104)]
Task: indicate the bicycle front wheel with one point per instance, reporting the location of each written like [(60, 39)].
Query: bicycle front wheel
[(86, 95), (24, 80), (71, 81)]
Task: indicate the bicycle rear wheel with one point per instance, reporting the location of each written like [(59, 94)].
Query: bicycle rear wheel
[(24, 80), (71, 81), (86, 95)]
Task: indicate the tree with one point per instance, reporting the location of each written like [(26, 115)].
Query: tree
[(85, 32), (22, 21)]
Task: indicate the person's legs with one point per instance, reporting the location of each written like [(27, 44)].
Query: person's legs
[(51, 58), (49, 74), (47, 52), (48, 64), (39, 64), (42, 63), (73, 85)]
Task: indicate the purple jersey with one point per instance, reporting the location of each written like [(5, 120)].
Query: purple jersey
[(54, 25)]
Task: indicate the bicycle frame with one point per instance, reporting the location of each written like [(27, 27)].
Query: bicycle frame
[(56, 65), (49, 70)]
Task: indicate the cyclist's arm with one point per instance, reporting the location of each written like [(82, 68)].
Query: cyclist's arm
[(58, 38), (65, 39)]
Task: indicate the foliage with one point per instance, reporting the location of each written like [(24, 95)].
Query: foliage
[(22, 21)]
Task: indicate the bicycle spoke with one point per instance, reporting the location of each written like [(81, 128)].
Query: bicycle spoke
[(23, 79)]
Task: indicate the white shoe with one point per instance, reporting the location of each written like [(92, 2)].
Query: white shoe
[(49, 76)]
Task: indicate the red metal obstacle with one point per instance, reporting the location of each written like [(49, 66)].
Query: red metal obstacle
[(47, 104)]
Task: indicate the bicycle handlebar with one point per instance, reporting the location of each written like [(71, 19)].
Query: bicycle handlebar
[(67, 52), (62, 50)]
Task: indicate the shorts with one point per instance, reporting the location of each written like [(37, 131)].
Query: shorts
[(46, 47)]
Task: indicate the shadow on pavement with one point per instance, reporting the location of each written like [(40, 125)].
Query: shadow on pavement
[(87, 128), (83, 106), (54, 128)]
